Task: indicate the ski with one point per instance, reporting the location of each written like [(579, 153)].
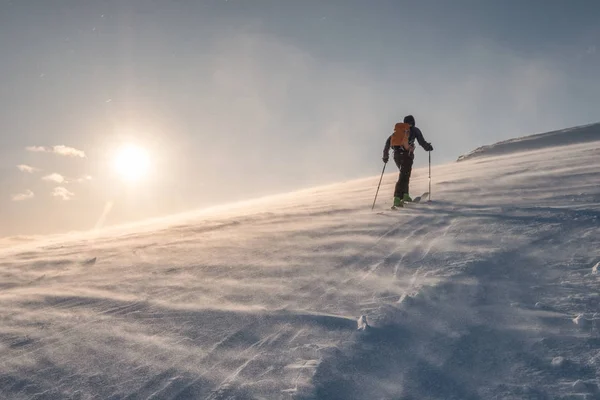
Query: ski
[(406, 204), (419, 198)]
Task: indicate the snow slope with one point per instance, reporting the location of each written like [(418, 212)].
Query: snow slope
[(560, 138), (489, 291)]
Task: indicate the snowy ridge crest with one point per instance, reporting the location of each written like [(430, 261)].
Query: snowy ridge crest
[(563, 137)]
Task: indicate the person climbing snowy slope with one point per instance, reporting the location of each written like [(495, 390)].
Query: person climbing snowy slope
[(402, 141)]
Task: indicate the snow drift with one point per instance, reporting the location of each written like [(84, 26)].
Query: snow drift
[(489, 291)]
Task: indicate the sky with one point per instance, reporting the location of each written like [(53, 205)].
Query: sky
[(235, 99)]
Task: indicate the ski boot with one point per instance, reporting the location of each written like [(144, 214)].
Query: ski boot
[(407, 198), (398, 203)]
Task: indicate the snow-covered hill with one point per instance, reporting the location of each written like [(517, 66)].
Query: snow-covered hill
[(558, 139), (489, 291)]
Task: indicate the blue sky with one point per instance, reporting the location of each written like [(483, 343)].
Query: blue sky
[(235, 99)]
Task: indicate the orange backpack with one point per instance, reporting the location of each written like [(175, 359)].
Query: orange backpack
[(401, 135)]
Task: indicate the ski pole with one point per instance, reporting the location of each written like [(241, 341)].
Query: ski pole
[(382, 171), (429, 176)]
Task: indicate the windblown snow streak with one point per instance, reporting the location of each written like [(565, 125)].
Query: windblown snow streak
[(490, 291)]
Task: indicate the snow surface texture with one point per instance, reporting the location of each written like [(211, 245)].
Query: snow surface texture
[(489, 291)]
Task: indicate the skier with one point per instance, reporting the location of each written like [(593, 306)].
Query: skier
[(403, 143)]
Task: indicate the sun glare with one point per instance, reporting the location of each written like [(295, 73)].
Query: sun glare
[(131, 163)]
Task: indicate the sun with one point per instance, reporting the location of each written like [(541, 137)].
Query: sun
[(131, 163)]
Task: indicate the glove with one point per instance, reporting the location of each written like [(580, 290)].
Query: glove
[(429, 147), (385, 159)]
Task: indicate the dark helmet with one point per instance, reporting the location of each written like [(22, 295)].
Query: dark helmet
[(409, 119)]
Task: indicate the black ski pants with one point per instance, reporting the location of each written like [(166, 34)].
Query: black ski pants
[(404, 161)]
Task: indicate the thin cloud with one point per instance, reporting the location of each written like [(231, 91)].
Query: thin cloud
[(23, 196), (27, 168), (68, 151), (59, 149), (36, 149), (63, 193), (58, 178), (86, 178)]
